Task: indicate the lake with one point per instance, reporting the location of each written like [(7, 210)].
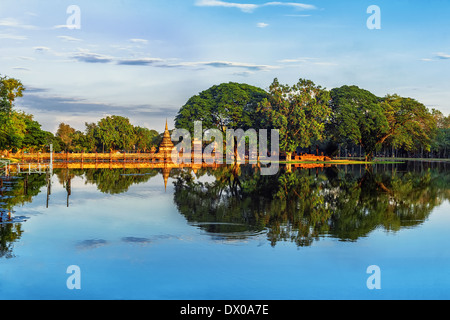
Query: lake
[(228, 233)]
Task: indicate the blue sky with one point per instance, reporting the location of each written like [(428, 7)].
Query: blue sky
[(145, 59)]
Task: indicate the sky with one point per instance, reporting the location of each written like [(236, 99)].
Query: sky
[(143, 59)]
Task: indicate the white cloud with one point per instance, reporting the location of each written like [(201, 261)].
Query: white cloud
[(262, 25), (296, 60), (299, 6), (139, 62), (444, 56), (26, 58), (66, 26), (91, 57), (21, 68), (13, 23), (12, 36), (140, 41), (69, 39), (41, 49), (307, 61), (225, 64), (216, 3), (250, 7)]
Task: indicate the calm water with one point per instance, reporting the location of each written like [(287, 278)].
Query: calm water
[(229, 233)]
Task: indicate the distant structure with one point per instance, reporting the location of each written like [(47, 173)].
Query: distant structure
[(166, 146), (165, 153)]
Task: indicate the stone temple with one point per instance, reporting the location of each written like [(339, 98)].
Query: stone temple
[(166, 146)]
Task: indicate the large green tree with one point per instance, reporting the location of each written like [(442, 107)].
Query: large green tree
[(116, 133), (226, 106), (412, 125), (441, 143), (146, 139), (12, 131), (10, 89), (357, 118), (35, 139), (12, 126), (364, 119), (66, 134), (298, 111)]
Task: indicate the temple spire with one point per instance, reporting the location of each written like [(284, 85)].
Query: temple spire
[(166, 146)]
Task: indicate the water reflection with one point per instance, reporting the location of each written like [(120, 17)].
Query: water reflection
[(237, 203), (14, 192), (301, 206)]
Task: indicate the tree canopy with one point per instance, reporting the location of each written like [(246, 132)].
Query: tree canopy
[(298, 111), (228, 105), (361, 118), (304, 113), (18, 130)]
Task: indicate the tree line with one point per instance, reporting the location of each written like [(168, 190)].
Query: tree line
[(338, 122), (110, 134), (312, 119)]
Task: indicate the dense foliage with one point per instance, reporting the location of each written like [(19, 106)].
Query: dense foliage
[(307, 116), (310, 117)]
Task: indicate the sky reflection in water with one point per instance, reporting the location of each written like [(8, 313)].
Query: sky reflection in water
[(229, 233)]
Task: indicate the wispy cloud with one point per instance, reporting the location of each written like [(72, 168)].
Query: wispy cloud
[(90, 57), (443, 56), (14, 23), (298, 6), (437, 56), (262, 25), (298, 60), (243, 73), (41, 49), (56, 109), (87, 56), (12, 36), (26, 58), (226, 64), (139, 62), (139, 41), (307, 60), (69, 39), (66, 26), (21, 69), (245, 7), (250, 7)]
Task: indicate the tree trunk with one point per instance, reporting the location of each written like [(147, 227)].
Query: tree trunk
[(288, 156), (369, 156)]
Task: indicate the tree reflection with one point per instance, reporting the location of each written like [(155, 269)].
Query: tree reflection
[(114, 181), (303, 206), (296, 205), (9, 234), (15, 192), (217, 204)]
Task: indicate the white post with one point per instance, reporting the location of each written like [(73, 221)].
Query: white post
[(51, 158)]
